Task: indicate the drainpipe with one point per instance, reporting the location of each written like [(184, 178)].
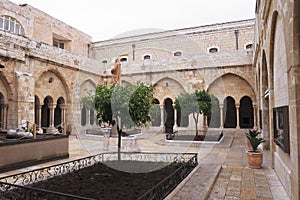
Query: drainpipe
[(236, 32), (133, 51)]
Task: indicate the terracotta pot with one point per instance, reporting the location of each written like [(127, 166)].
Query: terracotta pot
[(255, 159)]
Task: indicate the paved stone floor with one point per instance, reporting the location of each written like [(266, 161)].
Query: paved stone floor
[(222, 172)]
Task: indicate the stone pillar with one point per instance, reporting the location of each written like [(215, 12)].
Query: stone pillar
[(254, 116), (88, 111), (40, 116), (63, 108), (4, 108), (221, 117), (237, 106), (161, 116), (175, 118), (51, 128), (2, 116)]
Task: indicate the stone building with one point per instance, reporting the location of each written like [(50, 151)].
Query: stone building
[(47, 67), (277, 63)]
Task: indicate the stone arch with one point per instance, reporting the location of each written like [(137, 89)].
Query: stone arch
[(125, 83), (246, 113), (87, 88), (52, 83), (4, 87), (230, 85), (167, 88), (5, 91), (175, 77)]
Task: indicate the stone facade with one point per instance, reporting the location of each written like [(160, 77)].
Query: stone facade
[(277, 75)]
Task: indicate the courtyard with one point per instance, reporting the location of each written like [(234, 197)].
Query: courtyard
[(222, 172)]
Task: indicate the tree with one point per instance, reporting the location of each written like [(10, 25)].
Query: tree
[(196, 103), (125, 106)]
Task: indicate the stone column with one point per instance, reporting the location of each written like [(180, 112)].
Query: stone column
[(237, 106), (161, 116), (4, 115), (175, 117), (221, 117), (51, 128), (88, 111), (40, 116), (63, 108), (254, 116)]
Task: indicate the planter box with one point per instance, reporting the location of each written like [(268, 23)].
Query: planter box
[(24, 153)]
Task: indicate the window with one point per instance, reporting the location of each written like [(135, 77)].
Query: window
[(147, 57), (213, 50), (10, 24), (178, 53), (281, 128), (60, 44), (104, 61), (249, 46), (123, 59)]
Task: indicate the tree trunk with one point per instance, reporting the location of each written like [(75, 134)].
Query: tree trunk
[(196, 118)]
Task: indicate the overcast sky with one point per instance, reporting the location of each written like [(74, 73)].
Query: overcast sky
[(105, 19)]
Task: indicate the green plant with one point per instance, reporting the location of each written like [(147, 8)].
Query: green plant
[(252, 136)]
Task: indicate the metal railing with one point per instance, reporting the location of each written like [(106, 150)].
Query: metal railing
[(17, 186)]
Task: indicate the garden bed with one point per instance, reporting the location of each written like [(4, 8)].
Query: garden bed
[(136, 176)]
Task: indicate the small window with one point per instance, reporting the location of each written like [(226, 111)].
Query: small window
[(61, 45), (249, 46), (147, 57), (213, 50), (124, 59), (104, 61), (55, 43), (178, 53)]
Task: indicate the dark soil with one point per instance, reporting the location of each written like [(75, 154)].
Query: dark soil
[(103, 181)]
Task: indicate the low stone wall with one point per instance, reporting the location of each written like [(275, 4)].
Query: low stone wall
[(14, 155)]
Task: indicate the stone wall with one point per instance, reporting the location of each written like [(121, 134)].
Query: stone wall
[(277, 63)]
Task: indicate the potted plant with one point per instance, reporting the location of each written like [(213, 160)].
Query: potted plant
[(254, 156)]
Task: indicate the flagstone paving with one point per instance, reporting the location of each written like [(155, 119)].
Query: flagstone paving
[(222, 172)]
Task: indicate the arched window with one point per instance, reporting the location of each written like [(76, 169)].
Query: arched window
[(147, 57), (213, 50), (123, 59), (11, 25), (249, 46), (178, 53)]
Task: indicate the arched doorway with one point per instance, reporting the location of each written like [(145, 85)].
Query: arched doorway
[(246, 113), (229, 111), (155, 113), (83, 116), (37, 104), (169, 115), (45, 115), (58, 112), (214, 118)]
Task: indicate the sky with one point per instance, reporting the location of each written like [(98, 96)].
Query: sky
[(106, 19)]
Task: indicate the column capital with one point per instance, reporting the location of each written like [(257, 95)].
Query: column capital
[(51, 106), (63, 106)]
